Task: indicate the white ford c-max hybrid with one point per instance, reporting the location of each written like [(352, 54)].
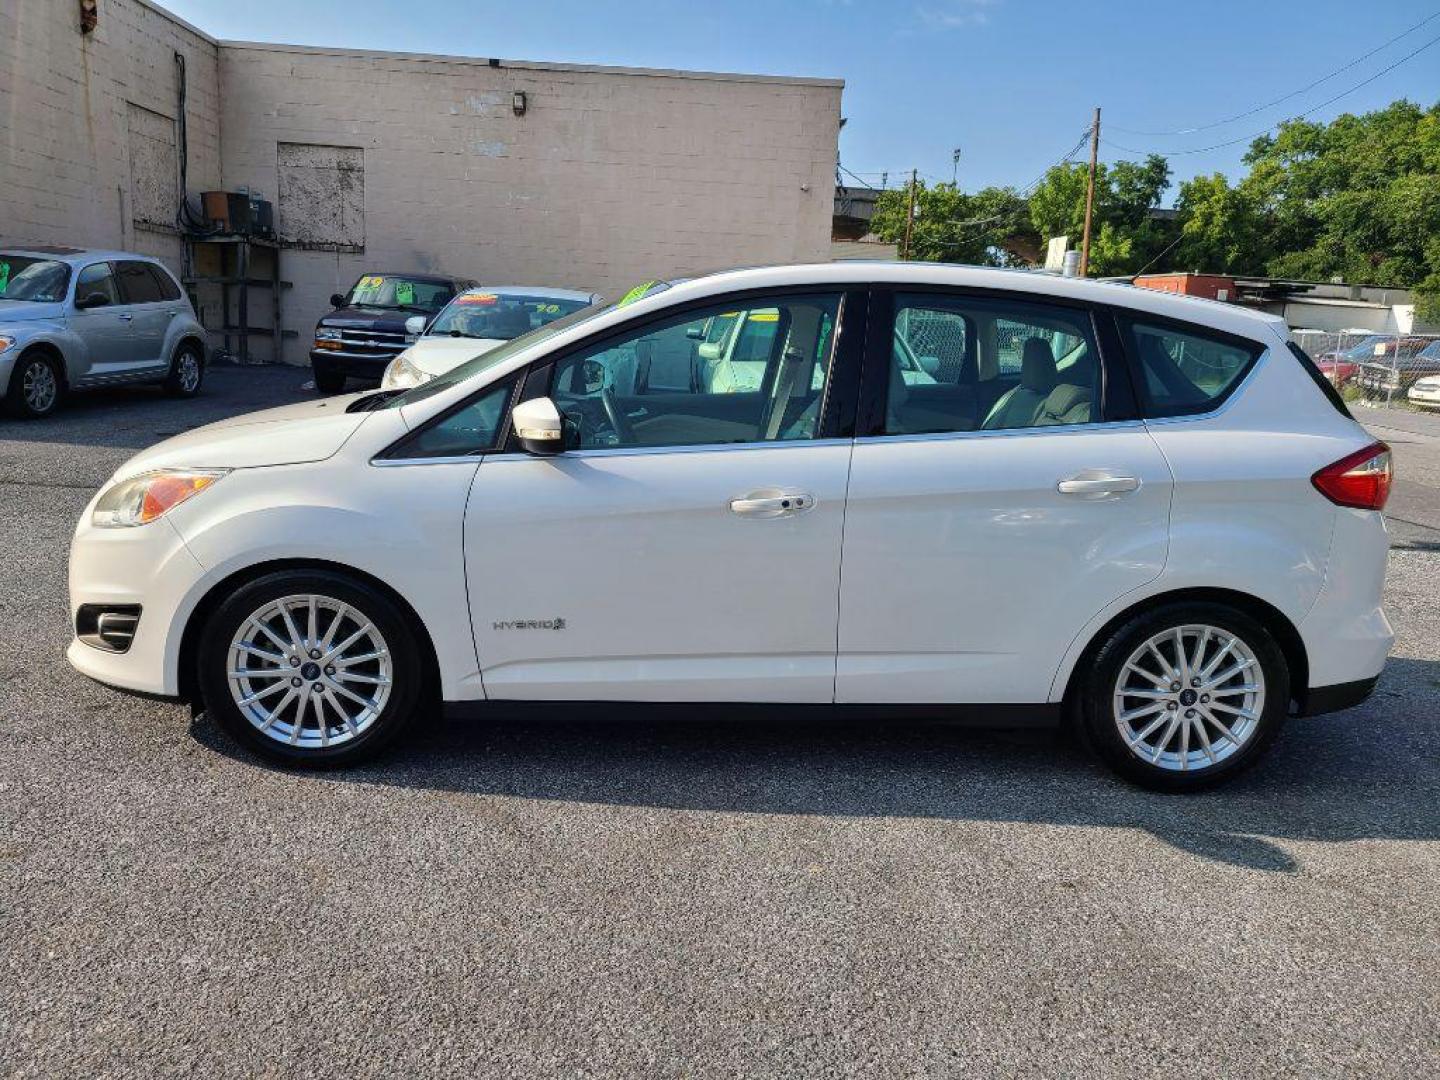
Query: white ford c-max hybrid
[(1144, 514)]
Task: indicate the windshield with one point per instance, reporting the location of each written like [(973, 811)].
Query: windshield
[(24, 277), (499, 315), (399, 293), (498, 355)]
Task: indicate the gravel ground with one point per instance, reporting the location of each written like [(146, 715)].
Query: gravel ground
[(525, 898)]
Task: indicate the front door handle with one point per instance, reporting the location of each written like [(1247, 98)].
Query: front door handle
[(126, 317), (1094, 484), (772, 503)]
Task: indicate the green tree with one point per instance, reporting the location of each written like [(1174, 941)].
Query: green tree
[(984, 228), (1125, 234)]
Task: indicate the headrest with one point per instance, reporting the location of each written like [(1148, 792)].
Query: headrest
[(1037, 366)]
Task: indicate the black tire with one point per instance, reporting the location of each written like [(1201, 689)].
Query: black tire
[(21, 398), (406, 692), (329, 382), (1098, 686), (183, 379)]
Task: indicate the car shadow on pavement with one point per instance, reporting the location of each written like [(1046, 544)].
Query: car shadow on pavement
[(1365, 774)]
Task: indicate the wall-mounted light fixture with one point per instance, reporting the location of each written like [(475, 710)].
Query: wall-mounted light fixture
[(89, 16), (517, 102)]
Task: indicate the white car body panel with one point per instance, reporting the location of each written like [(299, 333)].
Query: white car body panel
[(994, 569), (438, 354), (964, 575), (697, 603)]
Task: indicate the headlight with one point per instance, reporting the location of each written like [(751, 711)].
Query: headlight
[(6, 342), (327, 333), (401, 374), (149, 496)]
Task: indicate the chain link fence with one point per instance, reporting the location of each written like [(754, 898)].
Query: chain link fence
[(1395, 370)]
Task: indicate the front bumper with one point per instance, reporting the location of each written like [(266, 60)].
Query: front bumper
[(147, 566), (354, 365)]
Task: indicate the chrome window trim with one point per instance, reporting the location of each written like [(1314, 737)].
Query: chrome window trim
[(612, 451), (1047, 429)]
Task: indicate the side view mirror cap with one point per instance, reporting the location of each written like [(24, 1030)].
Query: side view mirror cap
[(415, 325), (337, 300), (538, 426), (92, 300)]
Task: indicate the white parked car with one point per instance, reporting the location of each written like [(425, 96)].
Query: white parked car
[(1170, 535), (475, 322), (1425, 392)]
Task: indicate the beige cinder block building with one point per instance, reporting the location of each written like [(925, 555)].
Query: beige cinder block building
[(507, 171)]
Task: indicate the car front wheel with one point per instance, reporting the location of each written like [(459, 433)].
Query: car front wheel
[(35, 386), (1186, 696), (311, 668)]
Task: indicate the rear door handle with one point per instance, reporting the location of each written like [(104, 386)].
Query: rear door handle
[(126, 317), (1097, 485), (771, 503)]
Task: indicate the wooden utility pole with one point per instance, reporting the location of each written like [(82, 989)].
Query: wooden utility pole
[(909, 216), (1090, 194)]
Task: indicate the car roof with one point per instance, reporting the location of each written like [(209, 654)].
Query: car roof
[(1221, 315), (75, 256), (414, 275), (543, 291)]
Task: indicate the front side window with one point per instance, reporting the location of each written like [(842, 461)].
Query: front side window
[(96, 278), (761, 379), (137, 283), (1184, 372), (499, 316), (394, 292), (24, 277), (960, 363)]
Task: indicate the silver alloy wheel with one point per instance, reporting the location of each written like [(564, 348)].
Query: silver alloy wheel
[(187, 369), (1189, 698), (39, 386), (309, 671)]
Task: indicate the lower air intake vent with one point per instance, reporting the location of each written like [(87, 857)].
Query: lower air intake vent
[(108, 627)]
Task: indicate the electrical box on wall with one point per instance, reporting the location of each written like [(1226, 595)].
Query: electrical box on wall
[(89, 16), (238, 213)]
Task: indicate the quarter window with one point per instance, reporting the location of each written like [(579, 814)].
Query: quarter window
[(977, 364), (472, 429), (1184, 372), (755, 374)]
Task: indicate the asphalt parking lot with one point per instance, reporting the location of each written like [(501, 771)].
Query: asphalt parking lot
[(553, 897)]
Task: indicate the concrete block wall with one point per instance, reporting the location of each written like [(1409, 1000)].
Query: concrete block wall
[(68, 156), (610, 177)]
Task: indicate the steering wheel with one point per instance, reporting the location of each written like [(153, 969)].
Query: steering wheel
[(619, 422)]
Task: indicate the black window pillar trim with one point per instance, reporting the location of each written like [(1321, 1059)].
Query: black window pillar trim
[(875, 367), (843, 379)]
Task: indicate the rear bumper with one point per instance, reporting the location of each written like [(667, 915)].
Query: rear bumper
[(1328, 699)]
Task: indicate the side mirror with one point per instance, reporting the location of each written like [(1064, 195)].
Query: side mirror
[(93, 300), (337, 300), (415, 325), (539, 426)]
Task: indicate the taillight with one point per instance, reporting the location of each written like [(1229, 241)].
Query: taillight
[(1361, 480)]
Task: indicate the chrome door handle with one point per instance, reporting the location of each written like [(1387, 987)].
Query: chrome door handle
[(126, 317), (1094, 484), (768, 504)]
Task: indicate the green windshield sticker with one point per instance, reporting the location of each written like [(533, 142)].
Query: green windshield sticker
[(404, 292), (636, 293), (4, 276)]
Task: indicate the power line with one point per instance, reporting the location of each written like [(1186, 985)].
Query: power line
[(1272, 127), (1293, 94)]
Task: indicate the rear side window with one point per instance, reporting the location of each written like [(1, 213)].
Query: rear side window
[(1318, 378), (137, 284), (168, 289), (1184, 372)]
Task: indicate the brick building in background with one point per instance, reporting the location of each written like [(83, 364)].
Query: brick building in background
[(509, 172)]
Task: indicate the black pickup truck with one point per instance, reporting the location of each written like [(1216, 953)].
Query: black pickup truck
[(367, 328)]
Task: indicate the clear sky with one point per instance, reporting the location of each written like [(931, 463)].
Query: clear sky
[(1012, 83)]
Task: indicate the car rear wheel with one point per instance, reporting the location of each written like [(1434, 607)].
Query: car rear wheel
[(35, 386), (311, 668), (187, 372), (1185, 697)]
